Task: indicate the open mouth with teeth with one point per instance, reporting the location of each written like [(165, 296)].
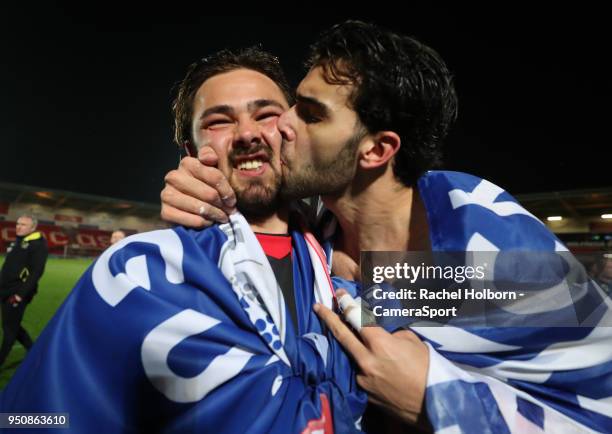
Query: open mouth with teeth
[(253, 165), (250, 165)]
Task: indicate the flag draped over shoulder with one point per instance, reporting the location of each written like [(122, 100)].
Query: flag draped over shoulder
[(515, 379), (186, 331)]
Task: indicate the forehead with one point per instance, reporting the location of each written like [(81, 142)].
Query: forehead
[(236, 88), (24, 220), (334, 96)]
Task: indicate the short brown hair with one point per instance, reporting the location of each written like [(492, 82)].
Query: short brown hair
[(253, 58)]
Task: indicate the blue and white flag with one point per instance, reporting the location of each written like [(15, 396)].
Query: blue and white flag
[(514, 379), (186, 331)]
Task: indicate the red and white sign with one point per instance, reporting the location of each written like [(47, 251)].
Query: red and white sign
[(90, 240)]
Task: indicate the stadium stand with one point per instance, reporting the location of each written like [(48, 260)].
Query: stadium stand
[(78, 224), (75, 224), (575, 216)]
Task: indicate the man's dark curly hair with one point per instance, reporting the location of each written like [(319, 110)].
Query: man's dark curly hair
[(253, 58), (400, 85)]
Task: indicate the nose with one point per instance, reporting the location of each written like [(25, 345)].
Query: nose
[(247, 133), (285, 125)]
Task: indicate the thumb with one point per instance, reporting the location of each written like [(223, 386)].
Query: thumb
[(208, 156)]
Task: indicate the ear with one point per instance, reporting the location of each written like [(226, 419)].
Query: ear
[(379, 149)]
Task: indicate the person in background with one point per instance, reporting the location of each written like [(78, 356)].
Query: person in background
[(116, 236), (22, 269)]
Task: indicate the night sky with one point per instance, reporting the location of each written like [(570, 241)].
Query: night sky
[(86, 93)]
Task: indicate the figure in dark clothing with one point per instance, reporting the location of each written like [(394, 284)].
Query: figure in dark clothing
[(23, 267)]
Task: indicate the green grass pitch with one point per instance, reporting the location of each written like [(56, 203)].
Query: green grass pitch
[(58, 280)]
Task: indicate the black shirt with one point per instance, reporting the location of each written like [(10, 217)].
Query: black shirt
[(278, 249)]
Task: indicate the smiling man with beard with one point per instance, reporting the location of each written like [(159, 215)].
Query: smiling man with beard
[(204, 331)]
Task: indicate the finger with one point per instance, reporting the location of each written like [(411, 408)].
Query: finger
[(176, 216), (180, 183), (172, 199), (208, 156), (343, 334), (215, 214), (226, 192), (374, 336), (354, 313), (340, 292), (350, 308), (212, 177)]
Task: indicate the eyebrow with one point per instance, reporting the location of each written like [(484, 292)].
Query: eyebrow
[(317, 105), (251, 107), (217, 109), (254, 105)]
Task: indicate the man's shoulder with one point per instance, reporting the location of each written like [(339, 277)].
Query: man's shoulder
[(34, 241), (35, 238), (465, 211)]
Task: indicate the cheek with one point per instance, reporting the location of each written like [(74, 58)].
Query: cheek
[(219, 140), (327, 143), (303, 139), (271, 134), (318, 145)]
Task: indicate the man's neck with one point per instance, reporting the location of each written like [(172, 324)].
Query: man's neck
[(383, 215), (275, 223), (26, 235)]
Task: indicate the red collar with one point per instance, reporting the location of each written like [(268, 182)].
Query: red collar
[(276, 246)]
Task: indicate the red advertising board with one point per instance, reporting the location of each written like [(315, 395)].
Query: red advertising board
[(81, 241)]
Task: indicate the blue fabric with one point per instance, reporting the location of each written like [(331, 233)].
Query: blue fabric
[(453, 227), (567, 369), (105, 364)]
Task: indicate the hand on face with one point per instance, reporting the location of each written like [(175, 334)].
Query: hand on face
[(197, 194), (235, 127)]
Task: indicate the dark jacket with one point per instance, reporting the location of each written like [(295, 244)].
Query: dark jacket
[(23, 266)]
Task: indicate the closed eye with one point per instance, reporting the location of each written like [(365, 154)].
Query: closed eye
[(304, 112), (264, 116), (215, 123)]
